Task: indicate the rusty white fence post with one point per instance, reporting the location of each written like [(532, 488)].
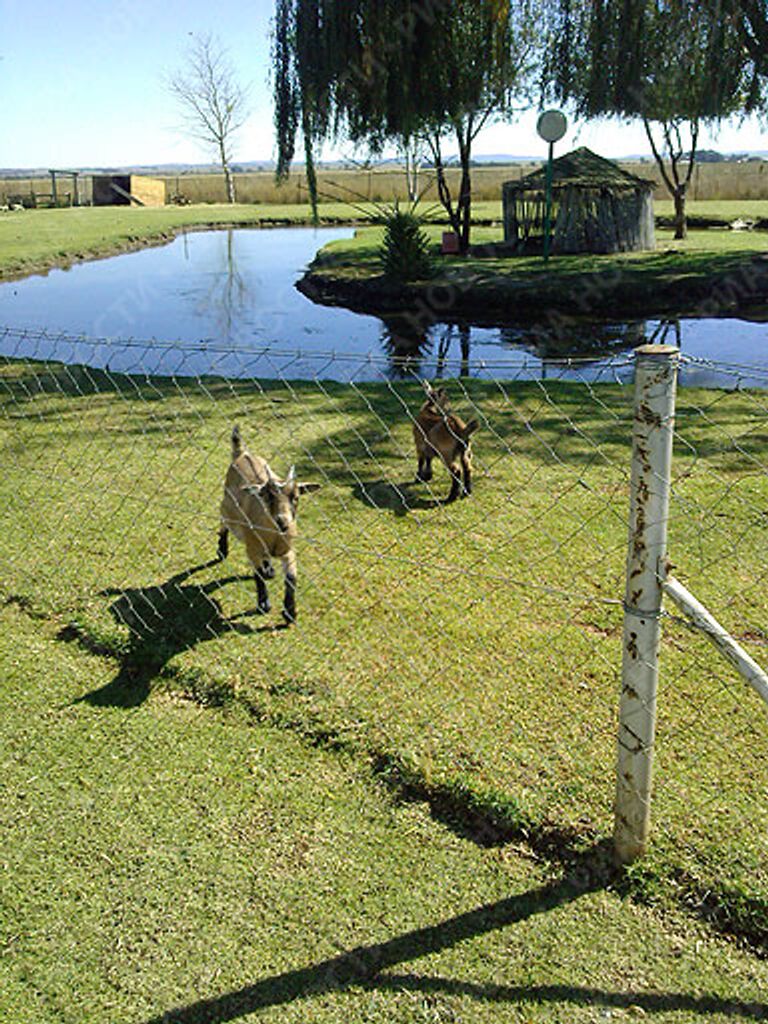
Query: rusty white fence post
[(654, 410)]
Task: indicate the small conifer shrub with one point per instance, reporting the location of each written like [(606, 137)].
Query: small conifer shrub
[(405, 253)]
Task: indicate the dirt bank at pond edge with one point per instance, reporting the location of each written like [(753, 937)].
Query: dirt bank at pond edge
[(490, 298)]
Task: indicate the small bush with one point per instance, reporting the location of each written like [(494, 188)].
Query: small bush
[(405, 248)]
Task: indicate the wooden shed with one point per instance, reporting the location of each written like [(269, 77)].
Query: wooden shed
[(127, 190), (596, 207)]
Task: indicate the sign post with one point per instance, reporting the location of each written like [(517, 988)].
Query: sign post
[(551, 127)]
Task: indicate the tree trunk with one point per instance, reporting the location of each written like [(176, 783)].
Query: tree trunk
[(676, 182), (444, 194), (465, 201), (460, 215), (681, 222), (228, 176), (411, 157)]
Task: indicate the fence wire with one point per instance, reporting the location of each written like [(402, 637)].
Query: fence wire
[(472, 650)]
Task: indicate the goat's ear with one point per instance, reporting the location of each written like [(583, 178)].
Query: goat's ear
[(470, 428), (305, 487)]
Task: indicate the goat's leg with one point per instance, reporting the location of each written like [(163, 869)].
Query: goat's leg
[(258, 555), (223, 549), (455, 484), (424, 472), (289, 600), (466, 467), (262, 604)]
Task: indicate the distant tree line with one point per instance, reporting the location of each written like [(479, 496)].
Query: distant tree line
[(417, 73)]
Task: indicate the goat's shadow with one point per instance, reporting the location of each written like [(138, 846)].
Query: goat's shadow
[(398, 498), (162, 621)]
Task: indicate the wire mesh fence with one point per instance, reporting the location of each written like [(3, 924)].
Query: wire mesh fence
[(471, 650)]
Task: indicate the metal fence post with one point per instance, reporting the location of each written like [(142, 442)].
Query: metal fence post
[(654, 410)]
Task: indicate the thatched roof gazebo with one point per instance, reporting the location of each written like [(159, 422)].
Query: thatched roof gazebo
[(596, 207)]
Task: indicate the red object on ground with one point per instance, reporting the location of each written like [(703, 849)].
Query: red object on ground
[(450, 243)]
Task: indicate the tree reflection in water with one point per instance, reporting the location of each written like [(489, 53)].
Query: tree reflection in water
[(575, 339), (667, 332), (449, 332), (407, 347), (228, 296)]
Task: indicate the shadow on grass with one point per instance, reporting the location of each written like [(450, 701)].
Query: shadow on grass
[(162, 621), (553, 420), (398, 498), (26, 379), (363, 967), (649, 1002)]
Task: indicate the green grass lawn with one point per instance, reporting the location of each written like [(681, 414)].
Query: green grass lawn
[(701, 252), (203, 810), (185, 864), (455, 660)]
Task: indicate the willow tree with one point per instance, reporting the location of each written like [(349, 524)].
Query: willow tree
[(676, 64), (379, 71), (482, 58), (751, 19)]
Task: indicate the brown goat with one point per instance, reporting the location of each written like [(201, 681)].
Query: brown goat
[(440, 433), (260, 510)]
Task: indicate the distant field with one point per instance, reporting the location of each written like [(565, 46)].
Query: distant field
[(727, 181)]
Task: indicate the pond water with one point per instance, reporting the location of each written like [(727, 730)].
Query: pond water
[(224, 302)]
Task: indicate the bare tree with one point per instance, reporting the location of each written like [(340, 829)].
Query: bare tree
[(674, 149), (212, 102)]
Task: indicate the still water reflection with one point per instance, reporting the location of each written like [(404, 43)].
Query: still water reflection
[(224, 302)]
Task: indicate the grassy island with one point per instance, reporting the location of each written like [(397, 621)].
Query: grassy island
[(713, 272)]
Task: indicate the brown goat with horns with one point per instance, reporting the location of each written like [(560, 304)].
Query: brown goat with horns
[(439, 432), (261, 512)]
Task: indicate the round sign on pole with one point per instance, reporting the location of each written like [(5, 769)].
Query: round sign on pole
[(551, 125)]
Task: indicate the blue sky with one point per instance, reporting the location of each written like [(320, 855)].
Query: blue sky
[(81, 85)]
